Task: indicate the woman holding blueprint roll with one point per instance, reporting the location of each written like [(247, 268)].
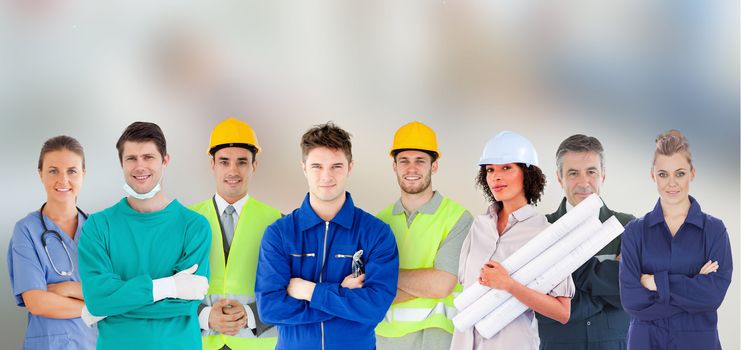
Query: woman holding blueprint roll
[(512, 182), (676, 261)]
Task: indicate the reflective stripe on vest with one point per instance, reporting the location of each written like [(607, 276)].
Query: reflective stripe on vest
[(419, 314), (236, 278), (418, 245)]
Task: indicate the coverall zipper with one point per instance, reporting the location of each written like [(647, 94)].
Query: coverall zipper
[(324, 256)]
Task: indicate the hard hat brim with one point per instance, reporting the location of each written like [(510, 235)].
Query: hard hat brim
[(499, 160), (247, 146), (396, 151)]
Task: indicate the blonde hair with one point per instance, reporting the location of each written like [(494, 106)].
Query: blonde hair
[(672, 142)]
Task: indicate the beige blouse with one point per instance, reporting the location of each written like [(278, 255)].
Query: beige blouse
[(484, 243)]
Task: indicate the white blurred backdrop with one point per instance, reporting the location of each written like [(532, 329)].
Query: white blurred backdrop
[(622, 71)]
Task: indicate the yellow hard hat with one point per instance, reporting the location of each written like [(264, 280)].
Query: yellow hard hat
[(232, 132), (415, 135)]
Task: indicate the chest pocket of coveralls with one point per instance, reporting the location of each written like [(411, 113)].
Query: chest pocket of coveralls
[(303, 264), (341, 258)]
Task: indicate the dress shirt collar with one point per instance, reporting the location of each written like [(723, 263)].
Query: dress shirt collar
[(221, 204)]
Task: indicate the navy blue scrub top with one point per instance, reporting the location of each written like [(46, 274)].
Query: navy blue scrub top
[(682, 312)]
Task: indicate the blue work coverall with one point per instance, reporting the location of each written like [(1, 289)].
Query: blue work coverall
[(303, 245)]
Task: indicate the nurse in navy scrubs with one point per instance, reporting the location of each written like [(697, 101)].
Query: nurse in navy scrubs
[(676, 261)]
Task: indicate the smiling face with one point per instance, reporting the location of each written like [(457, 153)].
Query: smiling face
[(506, 182), (326, 171), (581, 175), (233, 167), (672, 175), (142, 165), (414, 171), (62, 174)]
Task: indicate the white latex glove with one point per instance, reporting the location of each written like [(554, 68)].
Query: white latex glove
[(189, 286), (88, 318), (182, 285)]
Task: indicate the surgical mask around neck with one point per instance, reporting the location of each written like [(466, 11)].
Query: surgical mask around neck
[(142, 196)]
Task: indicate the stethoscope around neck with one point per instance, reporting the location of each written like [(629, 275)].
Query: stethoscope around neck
[(53, 233)]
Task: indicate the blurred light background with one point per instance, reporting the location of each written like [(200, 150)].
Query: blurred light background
[(623, 71)]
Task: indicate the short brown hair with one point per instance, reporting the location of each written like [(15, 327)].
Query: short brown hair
[(142, 132), (326, 135), (672, 142), (533, 183), (62, 142)]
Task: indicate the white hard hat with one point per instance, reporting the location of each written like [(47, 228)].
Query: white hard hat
[(509, 147)]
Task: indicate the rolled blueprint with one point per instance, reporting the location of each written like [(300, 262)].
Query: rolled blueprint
[(510, 309), (466, 318), (588, 207)]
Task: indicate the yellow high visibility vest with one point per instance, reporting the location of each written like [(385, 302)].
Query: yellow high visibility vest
[(418, 245), (235, 279)]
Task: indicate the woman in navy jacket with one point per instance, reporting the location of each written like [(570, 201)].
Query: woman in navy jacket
[(676, 261)]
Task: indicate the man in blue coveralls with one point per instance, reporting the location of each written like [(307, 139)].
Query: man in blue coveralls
[(309, 281)]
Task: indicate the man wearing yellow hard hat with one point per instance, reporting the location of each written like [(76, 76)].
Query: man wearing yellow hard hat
[(228, 315), (429, 230)]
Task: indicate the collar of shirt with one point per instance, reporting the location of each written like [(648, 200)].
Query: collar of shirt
[(694, 215), (525, 212), (127, 210), (51, 225), (344, 217), (428, 208), (568, 205), (565, 207), (221, 204)]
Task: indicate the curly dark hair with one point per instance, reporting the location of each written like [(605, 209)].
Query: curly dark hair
[(533, 183)]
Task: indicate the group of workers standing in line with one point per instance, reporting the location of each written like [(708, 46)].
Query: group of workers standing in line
[(232, 272)]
